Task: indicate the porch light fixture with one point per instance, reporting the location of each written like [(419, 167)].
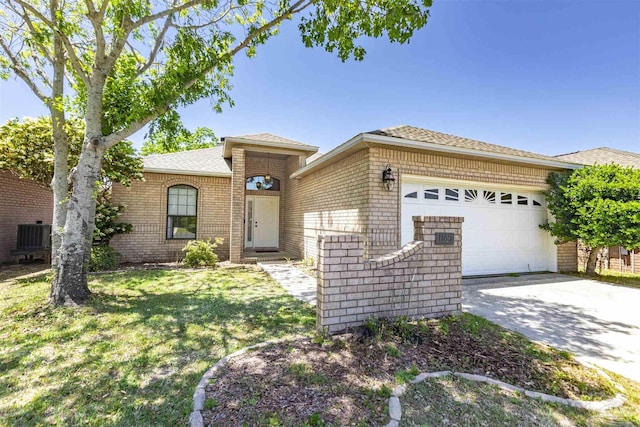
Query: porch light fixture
[(388, 180)]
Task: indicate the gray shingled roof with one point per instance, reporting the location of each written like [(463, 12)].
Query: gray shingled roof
[(205, 161), (602, 155), (425, 135), (267, 137)]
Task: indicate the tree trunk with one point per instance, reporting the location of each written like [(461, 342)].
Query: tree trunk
[(592, 261), (70, 283), (59, 183)]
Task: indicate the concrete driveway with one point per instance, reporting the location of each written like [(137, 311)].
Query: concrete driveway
[(598, 322)]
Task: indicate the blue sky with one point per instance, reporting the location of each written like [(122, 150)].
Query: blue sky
[(549, 76)]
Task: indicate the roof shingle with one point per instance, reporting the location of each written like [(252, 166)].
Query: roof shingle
[(203, 161), (268, 137), (425, 135), (603, 156)]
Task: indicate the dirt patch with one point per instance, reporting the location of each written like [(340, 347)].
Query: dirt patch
[(346, 381), (22, 271)]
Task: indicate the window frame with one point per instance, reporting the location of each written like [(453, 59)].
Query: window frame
[(168, 216)]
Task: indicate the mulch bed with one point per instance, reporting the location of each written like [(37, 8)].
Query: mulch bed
[(346, 381)]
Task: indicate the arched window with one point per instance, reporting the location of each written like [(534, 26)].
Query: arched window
[(182, 201), (260, 182)]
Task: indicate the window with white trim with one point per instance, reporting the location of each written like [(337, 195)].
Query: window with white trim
[(182, 201)]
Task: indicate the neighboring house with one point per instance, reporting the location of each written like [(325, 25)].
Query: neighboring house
[(261, 193), (615, 257), (23, 202)]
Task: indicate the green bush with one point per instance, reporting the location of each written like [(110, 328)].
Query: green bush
[(199, 253), (103, 258)]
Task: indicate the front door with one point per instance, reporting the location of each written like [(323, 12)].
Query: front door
[(262, 221)]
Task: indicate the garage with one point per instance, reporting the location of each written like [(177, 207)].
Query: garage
[(500, 233)]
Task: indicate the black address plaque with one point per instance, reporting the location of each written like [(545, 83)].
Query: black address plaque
[(444, 238)]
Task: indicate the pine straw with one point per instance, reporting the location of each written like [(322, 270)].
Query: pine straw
[(346, 381)]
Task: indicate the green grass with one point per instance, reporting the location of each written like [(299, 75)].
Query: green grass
[(456, 401), (615, 277), (304, 374), (134, 354)]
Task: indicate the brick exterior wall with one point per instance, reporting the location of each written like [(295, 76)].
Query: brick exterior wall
[(238, 185), (420, 280), (628, 263), (347, 196), (330, 200), (146, 209), (567, 257), (23, 202)]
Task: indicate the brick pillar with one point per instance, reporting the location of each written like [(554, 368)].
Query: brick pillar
[(568, 257), (340, 258), (423, 279), (238, 184)]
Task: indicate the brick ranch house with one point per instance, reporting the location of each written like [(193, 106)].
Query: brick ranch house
[(23, 202), (615, 257), (267, 193)]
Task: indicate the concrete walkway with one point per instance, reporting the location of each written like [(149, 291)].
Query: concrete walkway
[(292, 279), (598, 322)]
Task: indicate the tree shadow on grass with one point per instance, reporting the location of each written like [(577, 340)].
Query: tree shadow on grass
[(133, 355)]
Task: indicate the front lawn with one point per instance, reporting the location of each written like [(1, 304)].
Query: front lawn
[(615, 277), (135, 353)]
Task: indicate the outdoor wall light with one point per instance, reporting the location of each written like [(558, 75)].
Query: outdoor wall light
[(388, 180)]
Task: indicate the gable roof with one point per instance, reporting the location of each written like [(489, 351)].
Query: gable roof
[(602, 156), (267, 140), (414, 138), (205, 161), (425, 135), (268, 137)]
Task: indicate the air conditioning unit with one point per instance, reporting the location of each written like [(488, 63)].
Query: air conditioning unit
[(33, 237)]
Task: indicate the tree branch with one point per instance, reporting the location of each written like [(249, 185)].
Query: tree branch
[(166, 12), (22, 73), (96, 21), (75, 61), (157, 45), (118, 136)]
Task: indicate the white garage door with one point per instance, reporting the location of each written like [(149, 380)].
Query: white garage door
[(500, 232)]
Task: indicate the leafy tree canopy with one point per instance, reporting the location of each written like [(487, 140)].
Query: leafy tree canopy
[(598, 204), (124, 64), (162, 141), (26, 149)]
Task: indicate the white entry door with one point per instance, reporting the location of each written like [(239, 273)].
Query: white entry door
[(262, 221)]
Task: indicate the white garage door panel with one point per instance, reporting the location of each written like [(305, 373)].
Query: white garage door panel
[(497, 236)]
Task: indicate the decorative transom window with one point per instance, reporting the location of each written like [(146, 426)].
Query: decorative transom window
[(523, 200), (489, 196), (432, 194), (182, 201), (470, 195), (451, 194), (260, 182), (412, 195), (536, 203), (506, 198)]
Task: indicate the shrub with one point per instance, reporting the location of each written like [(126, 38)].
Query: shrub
[(199, 253), (103, 258)]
